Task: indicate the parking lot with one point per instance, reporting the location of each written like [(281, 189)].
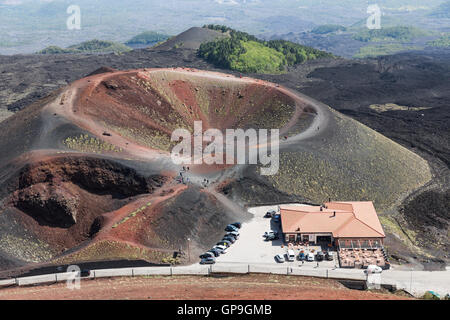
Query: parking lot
[(252, 248)]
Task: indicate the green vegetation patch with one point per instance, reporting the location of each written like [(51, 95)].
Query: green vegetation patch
[(55, 50), (93, 46), (132, 214), (398, 33), (382, 50), (86, 143), (147, 38), (441, 42), (246, 53), (107, 250), (258, 58), (328, 28)]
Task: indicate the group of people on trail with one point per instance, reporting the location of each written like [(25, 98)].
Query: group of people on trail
[(182, 178)]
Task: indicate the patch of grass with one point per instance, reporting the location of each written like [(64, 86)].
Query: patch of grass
[(171, 260), (131, 215), (86, 143), (394, 107), (107, 250)]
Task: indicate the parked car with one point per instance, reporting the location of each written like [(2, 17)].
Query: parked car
[(222, 249), (329, 256), (206, 255), (229, 238), (234, 234), (270, 214), (208, 261), (310, 256), (301, 256), (215, 252), (224, 243), (290, 255), (270, 233), (279, 258), (230, 227), (373, 269), (228, 235), (237, 225), (271, 236), (320, 256)]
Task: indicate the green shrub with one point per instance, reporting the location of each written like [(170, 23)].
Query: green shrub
[(328, 28)]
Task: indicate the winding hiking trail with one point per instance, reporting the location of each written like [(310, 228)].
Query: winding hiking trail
[(120, 107)]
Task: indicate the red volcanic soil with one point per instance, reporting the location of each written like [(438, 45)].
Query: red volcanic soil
[(61, 198), (246, 287), (143, 107), (94, 171)]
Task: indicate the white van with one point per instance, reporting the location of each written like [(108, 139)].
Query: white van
[(290, 255), (310, 256)]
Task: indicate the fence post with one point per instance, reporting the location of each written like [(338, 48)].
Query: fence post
[(171, 272), (248, 268)]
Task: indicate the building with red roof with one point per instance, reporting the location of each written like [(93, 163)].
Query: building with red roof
[(343, 223)]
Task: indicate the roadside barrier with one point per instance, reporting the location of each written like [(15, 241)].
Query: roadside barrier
[(342, 274)]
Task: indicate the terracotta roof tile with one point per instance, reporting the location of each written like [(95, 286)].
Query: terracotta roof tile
[(351, 220)]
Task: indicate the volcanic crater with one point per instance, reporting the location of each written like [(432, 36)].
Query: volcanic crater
[(86, 173)]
